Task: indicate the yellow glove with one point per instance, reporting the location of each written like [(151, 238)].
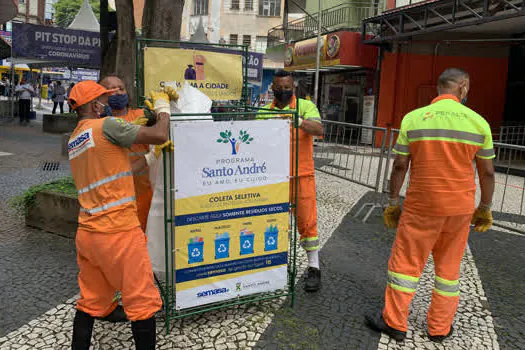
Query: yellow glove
[(482, 219), (391, 215), (160, 102), (173, 95), (168, 145), (140, 121)]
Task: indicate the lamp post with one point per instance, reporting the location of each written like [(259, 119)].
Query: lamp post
[(317, 54)]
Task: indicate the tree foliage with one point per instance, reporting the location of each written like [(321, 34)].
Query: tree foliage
[(66, 10)]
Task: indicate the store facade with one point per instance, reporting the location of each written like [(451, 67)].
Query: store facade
[(347, 74)]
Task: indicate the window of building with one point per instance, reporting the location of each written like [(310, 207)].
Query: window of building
[(260, 44), (200, 7), (236, 4), (248, 5), (234, 39), (247, 40), (269, 7)]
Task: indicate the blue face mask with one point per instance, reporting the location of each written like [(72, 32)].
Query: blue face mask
[(107, 112), (118, 102), (464, 99)]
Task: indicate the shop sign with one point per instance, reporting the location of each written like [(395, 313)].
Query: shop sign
[(302, 54)]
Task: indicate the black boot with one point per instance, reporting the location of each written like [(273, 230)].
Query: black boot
[(377, 324), (144, 334), (82, 330), (117, 315), (312, 282), (440, 338)]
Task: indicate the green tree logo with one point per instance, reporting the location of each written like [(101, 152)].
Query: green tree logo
[(226, 136)]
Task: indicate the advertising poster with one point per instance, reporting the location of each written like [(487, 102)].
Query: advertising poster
[(368, 119), (218, 75), (231, 209), (78, 47)]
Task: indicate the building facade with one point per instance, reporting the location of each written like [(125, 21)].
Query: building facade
[(240, 22), (419, 40)]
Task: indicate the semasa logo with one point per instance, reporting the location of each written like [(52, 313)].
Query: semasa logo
[(210, 292)]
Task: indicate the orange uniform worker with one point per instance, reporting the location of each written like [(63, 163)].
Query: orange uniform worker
[(309, 126), (118, 103), (439, 143), (111, 247)]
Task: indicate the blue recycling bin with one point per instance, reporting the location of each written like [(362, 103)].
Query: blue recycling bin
[(270, 240), (222, 248), (246, 242), (195, 252)]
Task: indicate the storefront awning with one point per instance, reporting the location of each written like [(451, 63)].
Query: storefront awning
[(338, 51), (444, 19)]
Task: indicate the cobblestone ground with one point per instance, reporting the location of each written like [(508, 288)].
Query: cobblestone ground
[(39, 286)]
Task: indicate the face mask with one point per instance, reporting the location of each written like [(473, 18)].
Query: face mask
[(106, 112), (464, 99), (283, 96), (118, 102)]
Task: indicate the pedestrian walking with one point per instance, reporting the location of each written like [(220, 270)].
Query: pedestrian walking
[(59, 94), (69, 93), (50, 88), (25, 92), (111, 247), (309, 126), (438, 143)]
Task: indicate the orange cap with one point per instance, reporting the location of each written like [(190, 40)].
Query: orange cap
[(86, 91)]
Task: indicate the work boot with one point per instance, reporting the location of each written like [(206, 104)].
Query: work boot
[(144, 334), (440, 338), (378, 324), (312, 281), (116, 316), (82, 330)]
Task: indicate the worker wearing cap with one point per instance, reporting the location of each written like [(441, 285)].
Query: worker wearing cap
[(438, 143), (306, 211), (111, 246), (141, 155)]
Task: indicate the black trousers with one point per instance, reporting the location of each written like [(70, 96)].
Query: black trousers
[(61, 107), (24, 108)]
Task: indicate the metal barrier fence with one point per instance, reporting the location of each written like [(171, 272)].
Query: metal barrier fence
[(363, 155), (353, 152)]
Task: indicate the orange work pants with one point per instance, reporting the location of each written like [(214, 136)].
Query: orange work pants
[(143, 206), (417, 236), (306, 211), (111, 262)]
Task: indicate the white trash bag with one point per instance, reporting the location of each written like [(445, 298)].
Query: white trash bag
[(191, 100)]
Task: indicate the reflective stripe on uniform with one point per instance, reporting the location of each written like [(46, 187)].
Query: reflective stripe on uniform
[(486, 153), (310, 243), (141, 173), (444, 133), (446, 287), (104, 181), (402, 283), (108, 206), (401, 148)]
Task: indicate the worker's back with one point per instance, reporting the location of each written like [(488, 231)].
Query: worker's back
[(442, 140), (103, 177)]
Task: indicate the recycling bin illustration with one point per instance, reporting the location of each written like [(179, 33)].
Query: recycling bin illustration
[(222, 245), (246, 242), (270, 238), (195, 250)]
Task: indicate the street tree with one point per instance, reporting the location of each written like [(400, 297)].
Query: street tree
[(161, 19), (66, 10)]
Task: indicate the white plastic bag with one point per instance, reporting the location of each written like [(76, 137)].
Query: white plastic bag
[(192, 100)]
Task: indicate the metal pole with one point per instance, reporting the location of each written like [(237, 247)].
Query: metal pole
[(12, 87), (317, 54), (41, 83)]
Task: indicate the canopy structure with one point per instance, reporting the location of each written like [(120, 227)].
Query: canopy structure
[(85, 19)]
